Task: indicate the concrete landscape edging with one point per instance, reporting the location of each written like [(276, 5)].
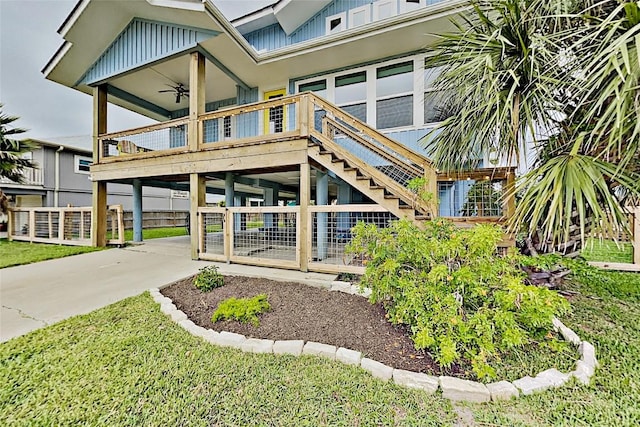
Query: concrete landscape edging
[(454, 389)]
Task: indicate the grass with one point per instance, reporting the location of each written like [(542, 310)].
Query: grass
[(607, 251), (128, 364), (157, 233), (19, 253)]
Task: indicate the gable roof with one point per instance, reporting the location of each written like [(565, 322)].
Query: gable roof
[(290, 14)]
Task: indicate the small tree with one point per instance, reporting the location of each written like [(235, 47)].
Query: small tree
[(12, 160)]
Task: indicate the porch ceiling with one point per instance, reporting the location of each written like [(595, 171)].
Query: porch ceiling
[(147, 82), (95, 24)]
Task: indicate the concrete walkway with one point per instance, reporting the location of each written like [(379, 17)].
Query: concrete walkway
[(36, 295)]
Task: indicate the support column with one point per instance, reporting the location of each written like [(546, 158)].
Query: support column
[(196, 99), (269, 195), (322, 198), (197, 198), (304, 222), (137, 210), (197, 183), (229, 190), (343, 227), (99, 198)]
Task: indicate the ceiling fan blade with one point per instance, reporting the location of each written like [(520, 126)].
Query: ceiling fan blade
[(168, 90)]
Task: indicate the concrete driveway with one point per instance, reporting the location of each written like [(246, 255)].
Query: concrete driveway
[(36, 295)]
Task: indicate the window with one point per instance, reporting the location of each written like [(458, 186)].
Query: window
[(384, 9), (319, 87), (434, 110), (227, 127), (351, 94), (359, 16), (410, 5), (82, 164), (336, 23), (394, 95)]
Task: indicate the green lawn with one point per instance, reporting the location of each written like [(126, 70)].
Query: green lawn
[(157, 233), (18, 253), (128, 364), (607, 251)]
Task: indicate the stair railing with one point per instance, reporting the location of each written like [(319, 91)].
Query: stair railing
[(369, 149)]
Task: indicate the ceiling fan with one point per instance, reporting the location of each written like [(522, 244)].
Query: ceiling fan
[(179, 90)]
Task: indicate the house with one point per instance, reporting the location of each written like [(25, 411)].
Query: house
[(63, 178), (317, 104)]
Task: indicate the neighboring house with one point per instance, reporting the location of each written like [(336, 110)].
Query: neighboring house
[(226, 96), (63, 178)]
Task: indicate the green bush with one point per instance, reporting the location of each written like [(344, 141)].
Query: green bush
[(208, 278), (244, 310), (459, 298)]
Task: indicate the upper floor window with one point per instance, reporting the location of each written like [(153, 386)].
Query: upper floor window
[(384, 9), (82, 164), (336, 23), (394, 95), (319, 87), (434, 109), (351, 94)]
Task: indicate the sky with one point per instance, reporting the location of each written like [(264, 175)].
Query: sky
[(28, 39)]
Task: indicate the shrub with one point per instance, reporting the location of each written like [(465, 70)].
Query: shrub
[(459, 299), (208, 278), (244, 310)]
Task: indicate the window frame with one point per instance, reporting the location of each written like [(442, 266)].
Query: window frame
[(76, 164), (343, 23), (407, 6)]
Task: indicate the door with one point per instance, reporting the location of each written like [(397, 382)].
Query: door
[(274, 118)]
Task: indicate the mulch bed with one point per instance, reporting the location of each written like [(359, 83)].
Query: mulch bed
[(302, 312)]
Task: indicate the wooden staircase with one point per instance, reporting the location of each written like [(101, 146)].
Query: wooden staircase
[(374, 164)]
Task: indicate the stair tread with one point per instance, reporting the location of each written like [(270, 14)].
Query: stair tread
[(362, 177), (336, 160), (391, 197)]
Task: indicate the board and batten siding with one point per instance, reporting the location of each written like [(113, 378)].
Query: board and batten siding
[(143, 42), (273, 36)]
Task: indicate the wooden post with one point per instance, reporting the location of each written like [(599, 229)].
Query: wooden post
[(636, 235), (510, 195), (99, 199), (228, 228), (10, 226), (303, 115), (304, 232), (32, 224), (196, 98), (431, 177), (197, 198)]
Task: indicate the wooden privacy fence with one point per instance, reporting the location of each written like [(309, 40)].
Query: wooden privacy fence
[(157, 219), (64, 226)]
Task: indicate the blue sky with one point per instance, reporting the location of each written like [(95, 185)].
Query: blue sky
[(28, 38)]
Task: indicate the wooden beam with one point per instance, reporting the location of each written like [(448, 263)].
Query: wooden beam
[(99, 119), (99, 214), (303, 231), (196, 98), (99, 196)]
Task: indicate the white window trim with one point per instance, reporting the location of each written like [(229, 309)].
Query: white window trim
[(418, 91), (343, 23), (410, 7), (221, 136), (367, 15), (379, 3), (76, 164)]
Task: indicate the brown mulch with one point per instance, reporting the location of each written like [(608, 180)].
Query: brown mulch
[(301, 312)]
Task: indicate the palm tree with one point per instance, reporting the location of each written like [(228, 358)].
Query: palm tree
[(12, 160), (531, 75)]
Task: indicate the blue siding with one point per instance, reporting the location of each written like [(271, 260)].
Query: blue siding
[(140, 43), (268, 38), (247, 124), (274, 37)]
